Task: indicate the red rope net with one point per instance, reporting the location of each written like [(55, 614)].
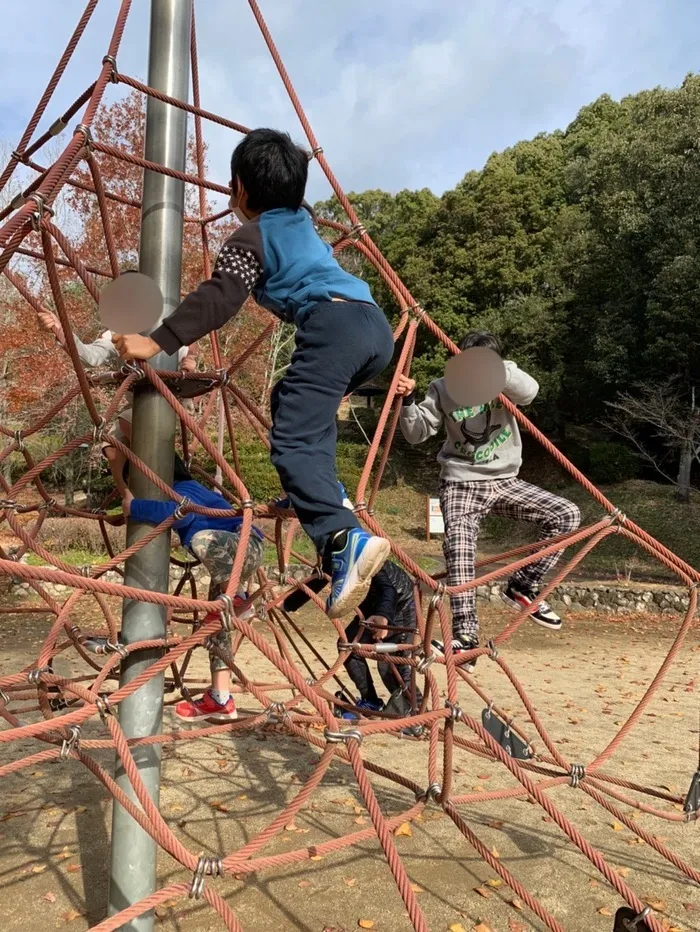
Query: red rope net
[(308, 714)]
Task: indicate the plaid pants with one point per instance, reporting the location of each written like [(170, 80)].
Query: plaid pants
[(217, 550), (466, 504)]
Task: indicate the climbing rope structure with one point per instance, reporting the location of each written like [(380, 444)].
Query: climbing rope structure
[(519, 742)]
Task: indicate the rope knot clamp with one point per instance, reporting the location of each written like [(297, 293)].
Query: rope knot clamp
[(8, 503), (111, 60), (247, 503), (206, 867), (34, 676), (41, 209), (114, 647), (223, 376), (104, 707), (578, 772), (19, 440), (358, 231), (98, 431), (424, 663), (86, 133), (456, 713), (348, 734), (316, 151), (360, 506), (16, 154), (431, 792), (493, 650), (226, 611), (181, 509), (130, 368), (4, 697), (310, 681), (418, 310), (276, 713), (438, 595), (70, 744), (86, 570), (50, 504), (619, 516)]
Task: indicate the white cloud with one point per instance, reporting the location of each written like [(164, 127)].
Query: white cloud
[(402, 93)]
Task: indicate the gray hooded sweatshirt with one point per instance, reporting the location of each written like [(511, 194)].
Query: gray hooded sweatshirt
[(482, 443)]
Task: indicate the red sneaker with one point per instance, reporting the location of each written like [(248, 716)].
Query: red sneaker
[(190, 710)]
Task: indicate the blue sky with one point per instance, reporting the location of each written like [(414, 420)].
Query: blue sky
[(401, 93)]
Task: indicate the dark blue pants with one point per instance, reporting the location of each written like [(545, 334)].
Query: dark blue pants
[(340, 345)]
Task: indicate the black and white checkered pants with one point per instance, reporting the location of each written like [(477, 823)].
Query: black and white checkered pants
[(465, 505)]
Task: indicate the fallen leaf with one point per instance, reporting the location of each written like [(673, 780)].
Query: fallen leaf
[(691, 908), (304, 883), (495, 824), (416, 888), (622, 871), (616, 827), (403, 829), (316, 857), (70, 915), (482, 891), (37, 773), (495, 853), (604, 911), (350, 881), (39, 868), (358, 810), (49, 897), (495, 882), (62, 855), (482, 927), (73, 868), (659, 905), (516, 904), (457, 927), (290, 827), (366, 923), (242, 796), (360, 820), (515, 926)]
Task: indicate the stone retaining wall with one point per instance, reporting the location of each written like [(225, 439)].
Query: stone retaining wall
[(609, 598)]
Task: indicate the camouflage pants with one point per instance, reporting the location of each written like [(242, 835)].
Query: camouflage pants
[(216, 550)]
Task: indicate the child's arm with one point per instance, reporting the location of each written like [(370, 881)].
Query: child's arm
[(150, 511), (520, 388), (97, 353), (419, 422), (216, 301)]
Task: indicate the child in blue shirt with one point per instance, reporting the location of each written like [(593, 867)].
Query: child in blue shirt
[(214, 541), (343, 340)]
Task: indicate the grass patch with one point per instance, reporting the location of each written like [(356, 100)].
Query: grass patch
[(75, 557)]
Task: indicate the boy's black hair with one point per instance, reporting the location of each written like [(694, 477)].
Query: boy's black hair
[(480, 338), (272, 169)]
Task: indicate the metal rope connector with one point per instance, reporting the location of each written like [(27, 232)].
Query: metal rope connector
[(337, 737), (456, 713), (247, 503), (4, 697), (57, 127), (627, 921), (493, 650), (98, 431), (431, 792), (111, 60), (86, 569), (418, 310), (211, 867), (276, 713), (181, 509), (358, 231), (223, 375), (114, 647), (19, 440), (34, 676), (130, 368), (317, 150), (578, 772), (104, 707), (360, 506), (41, 209), (86, 133), (424, 663), (8, 503), (310, 681), (438, 596), (70, 744), (226, 611)]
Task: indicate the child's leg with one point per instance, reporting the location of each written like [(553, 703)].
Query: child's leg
[(464, 506), (217, 551), (357, 667), (552, 514), (394, 675), (339, 346)]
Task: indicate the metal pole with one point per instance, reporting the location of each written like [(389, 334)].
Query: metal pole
[(133, 860)]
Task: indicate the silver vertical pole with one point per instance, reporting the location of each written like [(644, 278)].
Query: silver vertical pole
[(133, 859)]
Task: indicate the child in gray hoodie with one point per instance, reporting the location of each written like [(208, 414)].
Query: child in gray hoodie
[(480, 460)]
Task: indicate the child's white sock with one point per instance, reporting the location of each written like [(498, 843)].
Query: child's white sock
[(220, 696)]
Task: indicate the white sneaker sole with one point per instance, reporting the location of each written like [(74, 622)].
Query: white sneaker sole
[(550, 626), (371, 560)]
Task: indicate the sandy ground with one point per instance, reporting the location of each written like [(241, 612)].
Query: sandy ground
[(55, 820)]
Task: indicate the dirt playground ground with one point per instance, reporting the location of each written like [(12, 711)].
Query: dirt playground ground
[(55, 820)]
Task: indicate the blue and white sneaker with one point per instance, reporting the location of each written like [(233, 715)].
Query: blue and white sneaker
[(352, 570), (364, 705)]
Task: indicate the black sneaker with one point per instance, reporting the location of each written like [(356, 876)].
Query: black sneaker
[(460, 645), (519, 597)]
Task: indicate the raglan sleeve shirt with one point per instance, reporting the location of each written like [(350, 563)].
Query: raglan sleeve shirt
[(238, 268), (419, 422)]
